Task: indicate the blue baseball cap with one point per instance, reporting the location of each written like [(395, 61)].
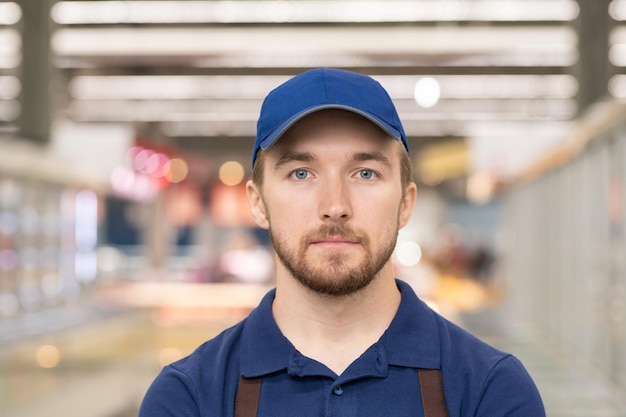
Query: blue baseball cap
[(325, 88)]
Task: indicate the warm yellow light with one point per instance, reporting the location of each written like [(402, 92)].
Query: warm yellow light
[(480, 188), (440, 161), (176, 170), (231, 173), (432, 178), (48, 356)]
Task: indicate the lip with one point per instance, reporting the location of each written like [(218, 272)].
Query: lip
[(335, 241)]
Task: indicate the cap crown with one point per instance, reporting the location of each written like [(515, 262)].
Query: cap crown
[(324, 88)]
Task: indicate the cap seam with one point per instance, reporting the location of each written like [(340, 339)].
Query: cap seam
[(325, 85)]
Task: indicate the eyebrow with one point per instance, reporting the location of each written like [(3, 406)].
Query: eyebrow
[(308, 157), (294, 156), (372, 156)]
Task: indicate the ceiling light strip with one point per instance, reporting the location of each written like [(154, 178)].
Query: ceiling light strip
[(10, 13), (151, 87), (310, 11)]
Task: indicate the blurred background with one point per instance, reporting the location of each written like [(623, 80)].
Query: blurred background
[(125, 137)]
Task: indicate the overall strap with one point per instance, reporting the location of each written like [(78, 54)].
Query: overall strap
[(431, 389), (247, 397)]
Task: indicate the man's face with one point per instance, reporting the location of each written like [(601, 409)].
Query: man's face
[(332, 200)]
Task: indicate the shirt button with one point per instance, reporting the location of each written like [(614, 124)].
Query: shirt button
[(338, 390)]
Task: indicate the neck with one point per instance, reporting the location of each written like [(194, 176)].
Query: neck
[(335, 330)]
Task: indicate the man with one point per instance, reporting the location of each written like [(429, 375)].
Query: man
[(339, 336)]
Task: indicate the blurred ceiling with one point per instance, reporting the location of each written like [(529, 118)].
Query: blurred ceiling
[(193, 73)]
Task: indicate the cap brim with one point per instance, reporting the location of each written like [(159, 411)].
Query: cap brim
[(283, 127)]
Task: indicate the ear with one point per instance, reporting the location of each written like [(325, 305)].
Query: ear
[(407, 205), (257, 206)]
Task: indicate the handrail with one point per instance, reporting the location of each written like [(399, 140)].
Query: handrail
[(600, 118)]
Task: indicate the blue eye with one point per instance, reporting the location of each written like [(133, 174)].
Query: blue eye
[(366, 174), (300, 174)]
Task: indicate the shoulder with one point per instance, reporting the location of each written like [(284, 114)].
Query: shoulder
[(479, 377), (460, 347), (184, 387), (213, 354)]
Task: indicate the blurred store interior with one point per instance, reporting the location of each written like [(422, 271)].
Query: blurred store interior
[(125, 137)]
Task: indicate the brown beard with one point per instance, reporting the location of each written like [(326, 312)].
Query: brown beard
[(335, 278)]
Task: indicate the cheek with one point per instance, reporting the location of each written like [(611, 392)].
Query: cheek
[(287, 213), (381, 217)]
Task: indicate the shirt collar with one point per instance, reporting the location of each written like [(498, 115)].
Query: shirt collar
[(264, 348), (412, 339)]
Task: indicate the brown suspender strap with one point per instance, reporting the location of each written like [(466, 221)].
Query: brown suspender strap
[(431, 389), (247, 398)]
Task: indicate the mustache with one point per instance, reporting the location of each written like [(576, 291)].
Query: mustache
[(326, 231)]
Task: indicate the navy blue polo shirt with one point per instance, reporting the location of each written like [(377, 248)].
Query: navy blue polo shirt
[(479, 381)]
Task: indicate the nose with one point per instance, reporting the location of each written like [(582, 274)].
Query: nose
[(335, 203)]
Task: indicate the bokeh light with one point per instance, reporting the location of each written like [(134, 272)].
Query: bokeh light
[(176, 170), (427, 92), (480, 188), (231, 173), (48, 356), (408, 253)]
